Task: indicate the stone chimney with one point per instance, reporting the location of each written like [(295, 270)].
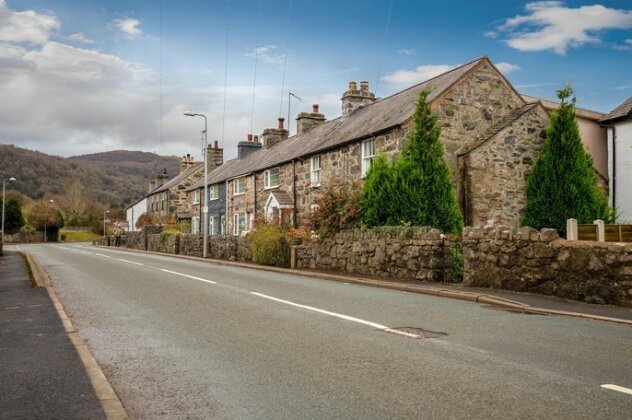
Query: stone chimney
[(186, 162), (353, 98), (272, 136), (159, 180), (308, 120), (214, 156), (244, 148)]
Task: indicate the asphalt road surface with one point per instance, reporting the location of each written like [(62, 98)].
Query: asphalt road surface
[(186, 339)]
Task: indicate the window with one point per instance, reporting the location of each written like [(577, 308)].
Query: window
[(314, 174), (196, 197), (222, 225), (211, 226), (239, 223), (213, 192), (368, 154), (195, 225), (271, 178), (239, 185)]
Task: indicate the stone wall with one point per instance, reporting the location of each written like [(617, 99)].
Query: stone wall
[(402, 253), (24, 237), (163, 242), (539, 261)]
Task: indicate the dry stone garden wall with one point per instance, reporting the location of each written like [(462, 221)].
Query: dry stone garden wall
[(402, 253), (539, 261)]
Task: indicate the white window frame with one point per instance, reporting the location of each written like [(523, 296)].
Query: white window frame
[(239, 186), (314, 171), (237, 229), (368, 155), (196, 197), (211, 225), (222, 225), (213, 192), (267, 178), (195, 225)]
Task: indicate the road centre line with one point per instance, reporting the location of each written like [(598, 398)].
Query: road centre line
[(188, 276), (337, 315), (102, 255), (618, 388), (130, 262)]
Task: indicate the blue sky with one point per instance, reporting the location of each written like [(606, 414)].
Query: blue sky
[(85, 77)]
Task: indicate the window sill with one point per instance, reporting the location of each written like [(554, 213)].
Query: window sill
[(238, 194), (271, 187)]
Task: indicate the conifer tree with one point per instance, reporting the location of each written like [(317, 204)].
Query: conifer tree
[(563, 183), (14, 219), (415, 189)]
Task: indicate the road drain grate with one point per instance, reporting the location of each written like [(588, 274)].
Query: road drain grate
[(416, 333)]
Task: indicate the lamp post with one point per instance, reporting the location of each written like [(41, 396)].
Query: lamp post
[(46, 215), (104, 213), (4, 186), (205, 207)]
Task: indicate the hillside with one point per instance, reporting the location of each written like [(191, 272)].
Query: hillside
[(119, 177)]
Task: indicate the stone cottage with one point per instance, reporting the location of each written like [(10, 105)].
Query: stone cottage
[(490, 133), (169, 198)]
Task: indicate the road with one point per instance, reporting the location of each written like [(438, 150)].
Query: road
[(187, 339)]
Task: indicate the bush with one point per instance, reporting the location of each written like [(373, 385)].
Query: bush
[(338, 209), (270, 244)]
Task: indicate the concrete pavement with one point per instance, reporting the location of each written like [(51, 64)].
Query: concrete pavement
[(41, 374)]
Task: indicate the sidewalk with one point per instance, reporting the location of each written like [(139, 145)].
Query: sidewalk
[(41, 375)]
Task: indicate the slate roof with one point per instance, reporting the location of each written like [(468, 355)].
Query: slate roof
[(507, 120), (177, 179), (580, 112), (365, 122), (622, 111), (282, 198)]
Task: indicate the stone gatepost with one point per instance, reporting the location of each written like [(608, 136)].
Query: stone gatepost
[(571, 229), (601, 230)]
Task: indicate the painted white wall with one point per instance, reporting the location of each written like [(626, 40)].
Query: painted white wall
[(134, 212), (622, 189)]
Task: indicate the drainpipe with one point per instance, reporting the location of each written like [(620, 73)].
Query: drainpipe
[(614, 168), (294, 222), (254, 183), (226, 221)]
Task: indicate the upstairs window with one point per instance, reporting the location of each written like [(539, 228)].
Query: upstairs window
[(271, 178), (213, 192), (239, 186), (314, 173), (196, 197), (368, 154)]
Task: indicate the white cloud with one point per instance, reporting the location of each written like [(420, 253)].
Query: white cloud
[(79, 37), (491, 34), (407, 51), (266, 53), (405, 78), (506, 68), (28, 26), (550, 25), (128, 26)]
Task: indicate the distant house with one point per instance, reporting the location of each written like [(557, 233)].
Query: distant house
[(133, 213), (592, 133), (619, 125)]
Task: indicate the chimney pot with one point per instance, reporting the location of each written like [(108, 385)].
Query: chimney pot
[(281, 121), (352, 85), (364, 86), (216, 144), (315, 108), (249, 137), (256, 139)]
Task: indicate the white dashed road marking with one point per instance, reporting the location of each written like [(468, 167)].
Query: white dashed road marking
[(618, 388), (188, 276), (130, 262), (102, 255), (337, 315)]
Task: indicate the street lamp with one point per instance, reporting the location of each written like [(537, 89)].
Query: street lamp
[(205, 207), (104, 212), (46, 215), (4, 185)]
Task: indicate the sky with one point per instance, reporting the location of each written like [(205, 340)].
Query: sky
[(92, 76)]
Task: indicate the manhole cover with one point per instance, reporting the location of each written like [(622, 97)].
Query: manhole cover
[(416, 333)]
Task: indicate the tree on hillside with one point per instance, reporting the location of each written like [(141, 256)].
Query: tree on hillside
[(13, 218), (420, 191), (43, 214), (563, 183), (76, 202)]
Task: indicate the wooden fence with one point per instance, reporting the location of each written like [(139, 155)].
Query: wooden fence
[(612, 233)]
